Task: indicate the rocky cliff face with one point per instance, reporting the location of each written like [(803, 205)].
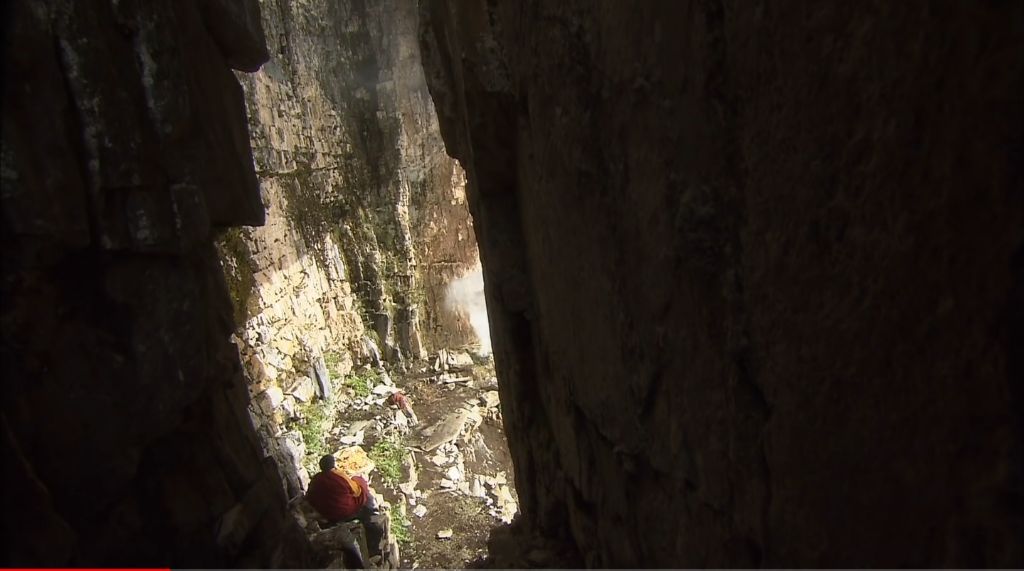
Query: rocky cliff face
[(366, 215), (124, 429), (749, 272), (359, 190)]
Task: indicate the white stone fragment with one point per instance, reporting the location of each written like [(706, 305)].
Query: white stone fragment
[(302, 389), (490, 399), (383, 390), (269, 400), (353, 440)]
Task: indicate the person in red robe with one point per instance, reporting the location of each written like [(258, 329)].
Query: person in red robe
[(339, 497), (399, 399)]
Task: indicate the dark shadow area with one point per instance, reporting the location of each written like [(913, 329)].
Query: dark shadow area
[(753, 274)]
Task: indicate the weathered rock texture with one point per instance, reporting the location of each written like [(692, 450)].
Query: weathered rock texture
[(366, 211), (749, 272), (125, 434), (366, 214)]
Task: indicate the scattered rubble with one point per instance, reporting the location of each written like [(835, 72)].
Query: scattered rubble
[(452, 484)]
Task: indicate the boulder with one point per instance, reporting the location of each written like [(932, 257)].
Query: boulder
[(302, 389), (357, 427), (287, 408), (293, 447), (447, 430), (269, 400), (354, 439), (353, 460), (459, 360), (490, 399), (382, 390)]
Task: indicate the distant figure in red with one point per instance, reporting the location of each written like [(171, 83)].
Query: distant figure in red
[(399, 399), (339, 497)]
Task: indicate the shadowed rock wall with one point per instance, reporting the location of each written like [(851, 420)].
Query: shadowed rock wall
[(125, 435), (750, 270)]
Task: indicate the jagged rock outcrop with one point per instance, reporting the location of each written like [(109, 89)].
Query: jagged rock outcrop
[(749, 272), (125, 436)]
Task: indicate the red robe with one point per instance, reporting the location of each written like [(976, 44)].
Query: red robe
[(399, 399), (336, 496)]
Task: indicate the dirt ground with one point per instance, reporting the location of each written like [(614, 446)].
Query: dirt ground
[(481, 499)]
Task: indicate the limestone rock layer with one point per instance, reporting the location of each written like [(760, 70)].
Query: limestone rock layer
[(366, 215), (753, 270), (366, 218)]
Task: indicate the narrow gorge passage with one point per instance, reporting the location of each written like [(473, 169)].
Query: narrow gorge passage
[(363, 290), (752, 272)]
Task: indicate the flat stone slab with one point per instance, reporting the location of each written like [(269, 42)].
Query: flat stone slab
[(447, 430)]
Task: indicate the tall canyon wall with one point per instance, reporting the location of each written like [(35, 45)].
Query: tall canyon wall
[(366, 214), (124, 430), (754, 272)]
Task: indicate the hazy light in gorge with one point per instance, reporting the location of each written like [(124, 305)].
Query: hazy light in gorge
[(466, 294)]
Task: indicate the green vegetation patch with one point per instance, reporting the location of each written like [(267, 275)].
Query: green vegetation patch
[(388, 456), (333, 361), (362, 382), (400, 525), (317, 419), (236, 257)]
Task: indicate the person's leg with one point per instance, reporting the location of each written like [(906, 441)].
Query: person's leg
[(350, 552), (371, 503), (352, 558), (374, 531)]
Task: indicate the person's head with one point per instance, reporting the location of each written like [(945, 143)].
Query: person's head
[(327, 463)]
